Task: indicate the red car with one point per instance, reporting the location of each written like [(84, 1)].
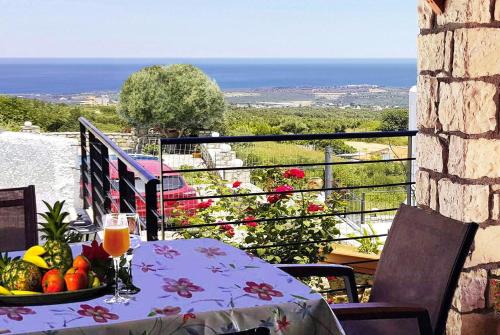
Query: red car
[(174, 187)]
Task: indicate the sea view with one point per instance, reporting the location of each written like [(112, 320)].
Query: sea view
[(72, 76)]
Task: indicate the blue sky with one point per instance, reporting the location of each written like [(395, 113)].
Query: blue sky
[(208, 28)]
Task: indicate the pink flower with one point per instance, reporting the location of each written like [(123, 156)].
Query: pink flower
[(211, 252), (166, 251), (147, 267), (294, 173), (204, 204), (236, 184), (250, 221), (282, 324), (311, 208), (99, 313), (168, 310), (285, 189), (183, 287), (16, 313), (264, 291)]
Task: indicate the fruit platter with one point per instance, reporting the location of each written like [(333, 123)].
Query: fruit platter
[(49, 274)]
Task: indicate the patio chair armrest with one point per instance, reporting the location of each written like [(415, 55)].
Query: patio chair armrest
[(377, 311), (325, 270)]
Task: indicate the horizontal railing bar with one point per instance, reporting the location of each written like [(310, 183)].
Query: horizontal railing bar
[(311, 242), (135, 167), (335, 290), (315, 216), (132, 187), (97, 164), (98, 179), (289, 192), (360, 262), (284, 138), (130, 207), (96, 147), (230, 168)]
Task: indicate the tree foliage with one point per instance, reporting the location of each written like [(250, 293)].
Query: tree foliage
[(394, 119), (178, 97)]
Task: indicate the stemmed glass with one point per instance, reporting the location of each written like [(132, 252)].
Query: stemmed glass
[(134, 227), (116, 243)]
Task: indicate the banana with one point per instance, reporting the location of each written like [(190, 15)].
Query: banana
[(36, 250), (37, 260), (4, 291), (17, 292)]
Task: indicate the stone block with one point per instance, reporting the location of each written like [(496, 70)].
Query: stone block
[(480, 324), (474, 158), (434, 195), (422, 193), (493, 293), (429, 152), (431, 52), (497, 10), (425, 15), (427, 89), (470, 292), (476, 52), (448, 51), (466, 203), (468, 107), (486, 247), (454, 323), (465, 11), (495, 213)]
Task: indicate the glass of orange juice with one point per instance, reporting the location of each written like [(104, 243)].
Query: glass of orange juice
[(116, 243)]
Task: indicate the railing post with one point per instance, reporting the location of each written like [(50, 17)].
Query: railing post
[(84, 169), (106, 187), (409, 171), (328, 171), (93, 180), (126, 193), (151, 208), (363, 209), (162, 201)]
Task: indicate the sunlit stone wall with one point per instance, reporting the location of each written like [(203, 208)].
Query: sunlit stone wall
[(458, 145)]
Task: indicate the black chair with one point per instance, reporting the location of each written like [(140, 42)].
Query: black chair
[(18, 224), (256, 331), (415, 279)]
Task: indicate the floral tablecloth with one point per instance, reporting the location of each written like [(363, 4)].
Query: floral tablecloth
[(190, 287)]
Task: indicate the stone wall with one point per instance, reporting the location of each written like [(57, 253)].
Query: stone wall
[(123, 140), (458, 145)]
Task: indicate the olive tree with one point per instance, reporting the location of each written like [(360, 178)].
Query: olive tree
[(177, 97)]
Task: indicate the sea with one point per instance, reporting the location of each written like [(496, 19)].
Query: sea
[(73, 76)]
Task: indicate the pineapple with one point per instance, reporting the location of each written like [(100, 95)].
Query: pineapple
[(17, 274), (58, 253)]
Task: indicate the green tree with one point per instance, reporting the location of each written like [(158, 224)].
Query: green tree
[(394, 119), (178, 97)]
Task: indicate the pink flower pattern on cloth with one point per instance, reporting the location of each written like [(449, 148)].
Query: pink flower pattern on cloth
[(16, 313), (263, 290), (99, 313), (211, 252), (166, 250), (183, 287)]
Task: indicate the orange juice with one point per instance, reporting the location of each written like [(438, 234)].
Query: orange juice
[(116, 240)]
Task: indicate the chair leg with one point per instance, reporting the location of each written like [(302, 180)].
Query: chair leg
[(424, 324), (351, 288)]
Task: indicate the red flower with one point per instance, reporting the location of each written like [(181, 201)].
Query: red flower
[(166, 251), (228, 229), (188, 316), (294, 173), (236, 184), (282, 324), (264, 291), (204, 204), (311, 208), (169, 310), (183, 287), (285, 189), (250, 221), (99, 313), (94, 251), (16, 313)]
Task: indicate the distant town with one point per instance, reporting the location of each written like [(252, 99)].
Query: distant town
[(351, 96)]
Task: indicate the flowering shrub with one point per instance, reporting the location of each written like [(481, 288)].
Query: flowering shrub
[(265, 220)]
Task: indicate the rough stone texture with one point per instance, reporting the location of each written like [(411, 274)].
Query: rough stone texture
[(468, 107), (46, 162), (473, 158), (495, 272), (434, 195), (470, 291), (465, 11), (466, 203), (429, 152), (495, 213), (431, 50), (425, 15), (476, 52), (485, 248), (426, 101), (492, 291), (480, 324), (422, 194), (497, 10), (448, 52), (454, 323)]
